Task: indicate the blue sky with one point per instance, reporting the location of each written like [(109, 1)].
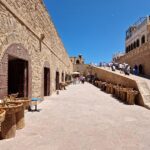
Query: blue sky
[(95, 28)]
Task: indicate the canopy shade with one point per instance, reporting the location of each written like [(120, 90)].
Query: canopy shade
[(75, 73)]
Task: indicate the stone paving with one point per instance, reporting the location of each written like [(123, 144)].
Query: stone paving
[(83, 118)]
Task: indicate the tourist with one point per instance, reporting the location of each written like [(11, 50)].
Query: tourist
[(127, 70), (100, 64), (135, 70), (121, 67), (74, 80), (113, 67), (83, 80)]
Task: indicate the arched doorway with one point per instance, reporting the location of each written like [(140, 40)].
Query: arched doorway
[(15, 68), (66, 77), (141, 71), (77, 62), (46, 78), (57, 80), (62, 77)]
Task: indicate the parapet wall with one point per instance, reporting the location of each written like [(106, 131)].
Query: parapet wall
[(114, 78)]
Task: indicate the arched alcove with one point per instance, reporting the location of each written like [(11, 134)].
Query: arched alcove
[(46, 79), (15, 72)]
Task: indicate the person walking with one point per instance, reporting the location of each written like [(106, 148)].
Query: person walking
[(135, 69)]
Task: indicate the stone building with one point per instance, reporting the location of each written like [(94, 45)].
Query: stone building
[(80, 66), (77, 60), (33, 59), (138, 46)]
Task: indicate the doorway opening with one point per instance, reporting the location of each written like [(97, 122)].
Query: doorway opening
[(46, 81), (141, 71), (17, 76), (57, 80), (62, 77)]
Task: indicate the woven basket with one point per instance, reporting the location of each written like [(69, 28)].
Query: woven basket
[(8, 127), (131, 97), (123, 94), (20, 120), (103, 86), (12, 107), (99, 84), (116, 91), (25, 102), (107, 88), (111, 89), (2, 115)]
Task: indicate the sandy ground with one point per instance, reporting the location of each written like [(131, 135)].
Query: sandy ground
[(83, 118)]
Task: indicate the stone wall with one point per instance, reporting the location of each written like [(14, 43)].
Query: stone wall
[(24, 23), (113, 78), (105, 75), (84, 69), (138, 56)]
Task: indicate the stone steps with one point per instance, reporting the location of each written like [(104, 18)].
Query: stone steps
[(144, 91)]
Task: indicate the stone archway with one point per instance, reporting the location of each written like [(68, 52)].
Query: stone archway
[(62, 77), (57, 80), (15, 60), (141, 70), (46, 79)]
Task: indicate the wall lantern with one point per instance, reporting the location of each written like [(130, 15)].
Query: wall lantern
[(42, 37)]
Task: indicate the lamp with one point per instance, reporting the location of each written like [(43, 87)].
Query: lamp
[(42, 36)]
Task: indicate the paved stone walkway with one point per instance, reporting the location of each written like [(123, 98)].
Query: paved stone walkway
[(83, 118)]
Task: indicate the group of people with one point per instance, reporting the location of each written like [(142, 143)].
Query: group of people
[(126, 68), (123, 68), (79, 79)]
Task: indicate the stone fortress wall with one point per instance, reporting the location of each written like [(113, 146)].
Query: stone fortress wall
[(138, 46), (138, 56), (27, 29)]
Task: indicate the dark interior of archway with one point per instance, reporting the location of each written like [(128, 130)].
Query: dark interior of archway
[(62, 77), (46, 81), (77, 62), (57, 80), (17, 76)]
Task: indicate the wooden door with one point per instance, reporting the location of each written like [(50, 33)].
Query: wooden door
[(46, 81), (57, 80)]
